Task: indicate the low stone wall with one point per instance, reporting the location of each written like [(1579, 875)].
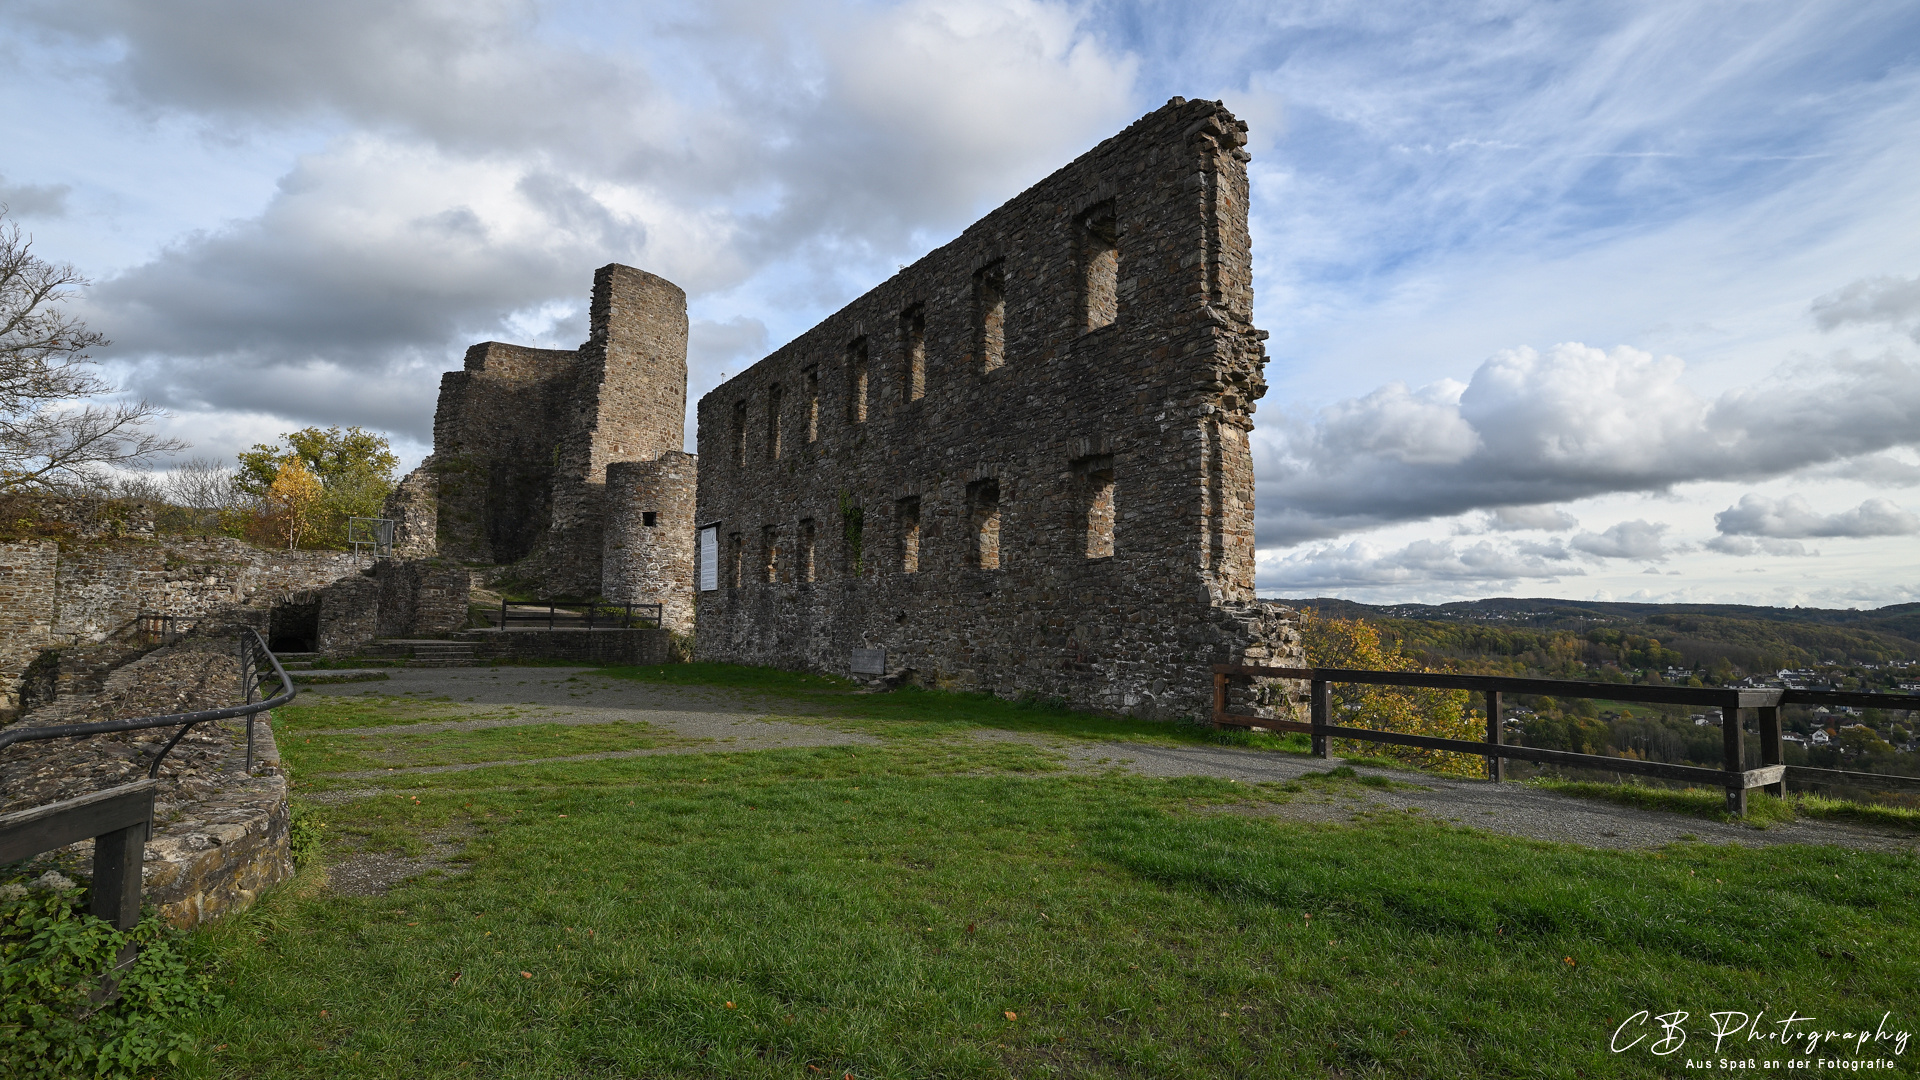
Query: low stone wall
[(598, 646), (219, 836)]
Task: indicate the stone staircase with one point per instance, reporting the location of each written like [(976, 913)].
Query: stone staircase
[(441, 654)]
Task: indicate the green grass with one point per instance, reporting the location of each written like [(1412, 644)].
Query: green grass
[(1763, 809), (324, 753), (885, 925), (938, 904), (323, 712)]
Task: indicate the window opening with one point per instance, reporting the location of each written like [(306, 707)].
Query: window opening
[(983, 501), (804, 567), (650, 518), (990, 315), (735, 552), (853, 526), (913, 353), (740, 432), (1099, 267), (1096, 497), (770, 551), (813, 405), (774, 395), (907, 514), (857, 382)]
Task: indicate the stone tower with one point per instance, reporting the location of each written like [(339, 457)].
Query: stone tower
[(522, 439)]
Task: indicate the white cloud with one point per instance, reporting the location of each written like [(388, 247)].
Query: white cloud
[(1794, 518), (1520, 518), (1361, 563), (1894, 301), (1533, 428), (1628, 540), (34, 200), (1764, 545)]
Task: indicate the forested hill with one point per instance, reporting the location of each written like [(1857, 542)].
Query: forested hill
[(1565, 637)]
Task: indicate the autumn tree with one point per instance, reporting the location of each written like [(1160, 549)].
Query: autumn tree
[(1443, 714), (351, 474), (54, 433)]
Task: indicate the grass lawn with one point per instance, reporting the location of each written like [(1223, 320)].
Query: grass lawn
[(944, 906)]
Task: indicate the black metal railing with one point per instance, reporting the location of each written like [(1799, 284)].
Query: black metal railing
[(591, 614), (1733, 703), (252, 653), (119, 819)]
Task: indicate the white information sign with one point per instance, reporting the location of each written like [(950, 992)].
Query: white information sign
[(709, 558)]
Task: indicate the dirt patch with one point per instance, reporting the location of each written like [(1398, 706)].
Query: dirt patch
[(373, 873)]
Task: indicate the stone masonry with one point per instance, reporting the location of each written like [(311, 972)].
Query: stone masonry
[(1021, 464), (522, 439), (649, 536)]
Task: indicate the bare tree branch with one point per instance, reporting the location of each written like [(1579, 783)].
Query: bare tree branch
[(50, 437)]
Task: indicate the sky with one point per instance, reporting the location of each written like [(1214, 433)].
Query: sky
[(1597, 301)]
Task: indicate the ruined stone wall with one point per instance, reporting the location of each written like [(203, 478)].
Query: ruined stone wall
[(496, 432), (649, 556), (522, 438), (1021, 464), (421, 598), (629, 404)]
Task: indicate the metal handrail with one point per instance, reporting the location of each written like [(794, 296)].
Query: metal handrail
[(620, 615), (251, 647)]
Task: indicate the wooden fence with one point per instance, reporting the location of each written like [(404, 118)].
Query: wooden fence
[(1733, 703)]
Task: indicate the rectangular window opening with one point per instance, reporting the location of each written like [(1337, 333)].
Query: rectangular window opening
[(853, 528), (739, 432), (857, 382), (650, 518), (1099, 239), (983, 502), (907, 514), (735, 550), (770, 552), (804, 565), (913, 354), (774, 395), (813, 405), (1096, 500), (990, 315)]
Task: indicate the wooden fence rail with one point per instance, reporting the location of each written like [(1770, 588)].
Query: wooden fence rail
[(1733, 703)]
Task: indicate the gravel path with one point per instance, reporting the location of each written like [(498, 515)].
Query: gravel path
[(725, 720), (735, 721), (1515, 809)]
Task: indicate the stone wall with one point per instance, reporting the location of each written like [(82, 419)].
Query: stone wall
[(91, 593), (650, 538), (220, 835), (523, 437), (1021, 464), (597, 646)]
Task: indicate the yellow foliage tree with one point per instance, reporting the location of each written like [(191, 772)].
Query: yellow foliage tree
[(1442, 714), (291, 501)]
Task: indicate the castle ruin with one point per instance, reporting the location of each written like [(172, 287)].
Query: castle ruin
[(565, 469), (1021, 464)]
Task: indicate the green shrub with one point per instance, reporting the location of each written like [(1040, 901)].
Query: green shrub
[(52, 954), (305, 834)]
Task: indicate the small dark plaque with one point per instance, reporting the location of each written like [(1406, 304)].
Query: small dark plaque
[(869, 661)]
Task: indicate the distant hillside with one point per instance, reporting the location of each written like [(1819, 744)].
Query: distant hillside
[(1564, 637)]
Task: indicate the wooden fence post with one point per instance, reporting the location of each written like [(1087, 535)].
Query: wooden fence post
[(1321, 717), (1772, 746), (1496, 765), (1734, 750)]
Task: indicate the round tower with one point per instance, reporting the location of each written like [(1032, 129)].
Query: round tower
[(649, 539)]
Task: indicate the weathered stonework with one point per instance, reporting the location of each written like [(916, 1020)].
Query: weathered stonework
[(220, 835), (1021, 464), (649, 537), (91, 593), (522, 439)]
